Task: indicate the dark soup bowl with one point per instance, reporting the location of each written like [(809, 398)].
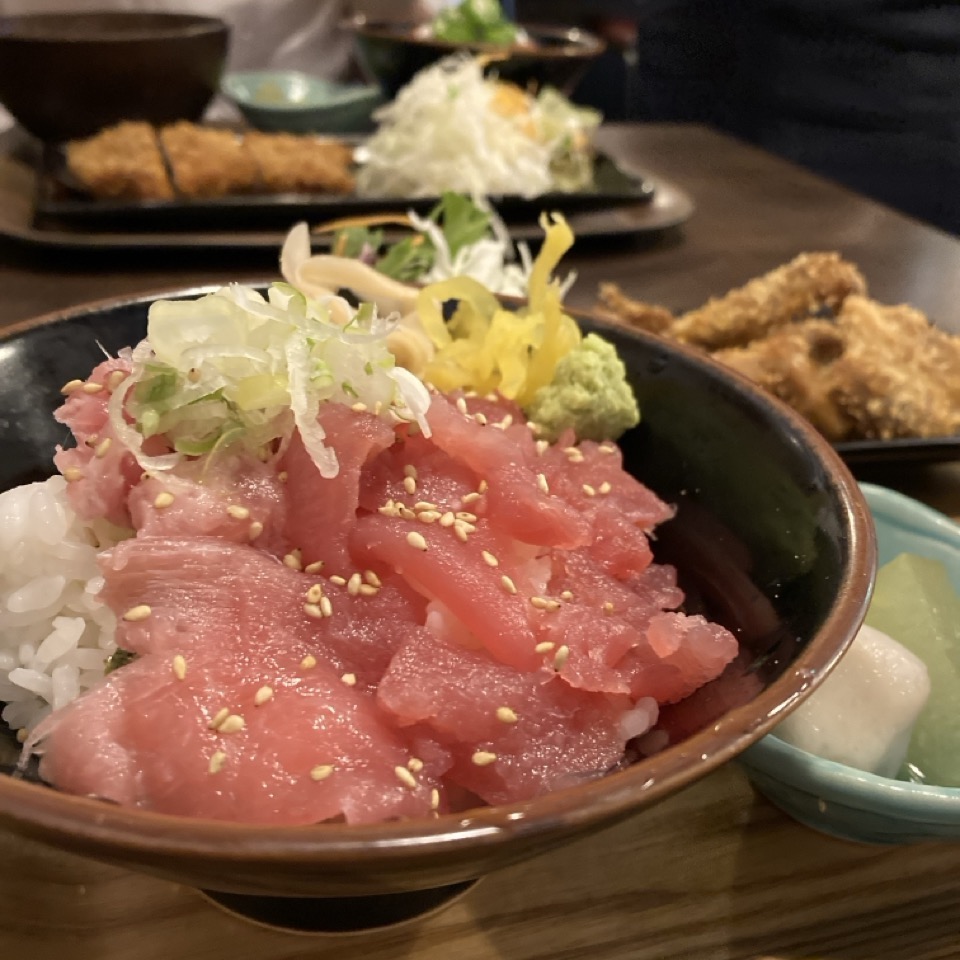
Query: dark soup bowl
[(554, 56), (67, 75), (771, 537)]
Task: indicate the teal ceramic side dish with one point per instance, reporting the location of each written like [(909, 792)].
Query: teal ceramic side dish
[(839, 800), (294, 102)]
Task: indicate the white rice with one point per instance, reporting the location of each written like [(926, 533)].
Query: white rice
[(55, 636)]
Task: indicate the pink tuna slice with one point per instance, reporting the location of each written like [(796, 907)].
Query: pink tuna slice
[(321, 511), (545, 736), (516, 501), (232, 496), (237, 618)]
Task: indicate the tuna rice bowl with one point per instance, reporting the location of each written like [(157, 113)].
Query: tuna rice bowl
[(305, 561)]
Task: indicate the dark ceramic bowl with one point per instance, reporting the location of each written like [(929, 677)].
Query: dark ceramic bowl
[(67, 75), (772, 537), (394, 52)]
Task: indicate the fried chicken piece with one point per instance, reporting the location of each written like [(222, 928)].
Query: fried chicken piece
[(290, 163), (207, 162), (795, 363), (122, 162), (810, 284), (615, 305), (899, 375)]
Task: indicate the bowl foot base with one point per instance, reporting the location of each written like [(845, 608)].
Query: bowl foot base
[(338, 914)]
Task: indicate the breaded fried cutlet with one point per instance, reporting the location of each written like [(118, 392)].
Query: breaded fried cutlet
[(616, 305), (122, 162), (809, 284), (899, 376), (289, 164), (207, 162)]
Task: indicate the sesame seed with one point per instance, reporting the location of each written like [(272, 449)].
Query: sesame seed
[(293, 561), (410, 485), (607, 448), (541, 603), (218, 718), (544, 647), (308, 662), (542, 447), (22, 735), (264, 694), (314, 594), (467, 517), (368, 590), (448, 519), (405, 513), (508, 584), (115, 379), (409, 470), (560, 659), (414, 764), (72, 474), (92, 387), (462, 405), (256, 528), (589, 491), (102, 448), (312, 610), (566, 595), (314, 567), (434, 798), (416, 540), (428, 516), (350, 679), (217, 761), (507, 421), (483, 758), (71, 386), (337, 580), (163, 500), (282, 476), (389, 509), (605, 488), (481, 418), (353, 584), (469, 498), (179, 667), (405, 777), (372, 578), (424, 505), (359, 407), (489, 559), (238, 512), (138, 613), (607, 607), (326, 607), (542, 484), (506, 715), (461, 531), (483, 486), (233, 724), (321, 772)]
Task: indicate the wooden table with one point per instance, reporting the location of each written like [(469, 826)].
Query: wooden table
[(714, 873)]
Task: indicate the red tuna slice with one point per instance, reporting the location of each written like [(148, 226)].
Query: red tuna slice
[(231, 496), (314, 750), (320, 511), (100, 470), (621, 511), (516, 500), (512, 735), (454, 573), (413, 471), (207, 592), (598, 620)]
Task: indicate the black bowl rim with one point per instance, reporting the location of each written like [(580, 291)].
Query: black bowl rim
[(578, 43), (143, 25), (70, 820)]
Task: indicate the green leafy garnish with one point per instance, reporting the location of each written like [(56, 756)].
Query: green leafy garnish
[(475, 21), (119, 658)]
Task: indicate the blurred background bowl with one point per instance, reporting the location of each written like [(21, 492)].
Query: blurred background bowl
[(394, 52), (67, 75), (839, 800), (772, 537), (294, 102)]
